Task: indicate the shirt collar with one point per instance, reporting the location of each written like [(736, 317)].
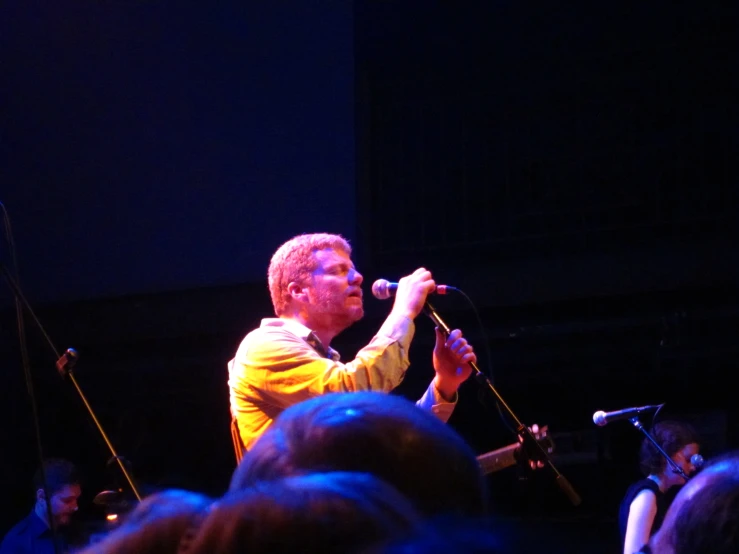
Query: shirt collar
[(36, 525), (303, 332)]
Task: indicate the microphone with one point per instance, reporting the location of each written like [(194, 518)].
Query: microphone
[(697, 461), (602, 418), (382, 289), (67, 361)]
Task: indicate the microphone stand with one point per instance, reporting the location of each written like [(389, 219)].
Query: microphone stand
[(528, 440), (65, 364), (676, 468)]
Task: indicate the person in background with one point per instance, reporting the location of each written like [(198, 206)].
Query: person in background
[(35, 534), (646, 501)]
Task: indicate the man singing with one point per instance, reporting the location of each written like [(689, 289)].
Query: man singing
[(316, 293)]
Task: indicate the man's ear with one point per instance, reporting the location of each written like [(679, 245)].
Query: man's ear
[(297, 292), (40, 495)]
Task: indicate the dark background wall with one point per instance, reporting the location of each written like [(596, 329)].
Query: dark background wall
[(150, 146), (572, 169)]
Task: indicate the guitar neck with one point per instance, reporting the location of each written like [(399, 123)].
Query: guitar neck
[(498, 459)]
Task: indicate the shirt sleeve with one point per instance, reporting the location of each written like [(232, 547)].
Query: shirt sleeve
[(433, 402)]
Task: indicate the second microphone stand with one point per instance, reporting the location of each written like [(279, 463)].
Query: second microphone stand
[(64, 365), (528, 441), (676, 468)]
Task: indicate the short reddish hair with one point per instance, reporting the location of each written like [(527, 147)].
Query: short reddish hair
[(294, 262)]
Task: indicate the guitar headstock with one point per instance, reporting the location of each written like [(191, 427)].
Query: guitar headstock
[(514, 454)]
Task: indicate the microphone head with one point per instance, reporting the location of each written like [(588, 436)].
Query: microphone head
[(697, 461), (599, 418), (381, 289)]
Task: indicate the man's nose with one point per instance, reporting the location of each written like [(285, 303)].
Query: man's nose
[(355, 278)]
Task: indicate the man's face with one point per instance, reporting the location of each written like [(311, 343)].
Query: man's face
[(335, 293), (64, 504)]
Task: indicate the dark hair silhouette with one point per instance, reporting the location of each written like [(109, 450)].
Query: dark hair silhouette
[(706, 511), (58, 473), (320, 513), (672, 436), (156, 525), (375, 433)]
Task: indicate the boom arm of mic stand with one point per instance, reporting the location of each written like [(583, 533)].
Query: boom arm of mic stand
[(676, 468), (64, 365), (521, 430)]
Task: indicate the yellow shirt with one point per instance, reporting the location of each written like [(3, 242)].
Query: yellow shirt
[(282, 363)]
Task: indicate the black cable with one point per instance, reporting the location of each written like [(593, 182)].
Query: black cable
[(29, 377), (489, 356), (482, 331), (64, 365), (654, 416)]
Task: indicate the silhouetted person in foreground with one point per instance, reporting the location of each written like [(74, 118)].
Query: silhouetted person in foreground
[(156, 525), (320, 513), (371, 432), (704, 517)]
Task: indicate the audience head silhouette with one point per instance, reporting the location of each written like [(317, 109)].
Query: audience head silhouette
[(156, 525), (321, 513), (384, 435), (704, 516)]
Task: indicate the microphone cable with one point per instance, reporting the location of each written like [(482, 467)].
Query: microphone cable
[(654, 416), (28, 376), (488, 355)]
